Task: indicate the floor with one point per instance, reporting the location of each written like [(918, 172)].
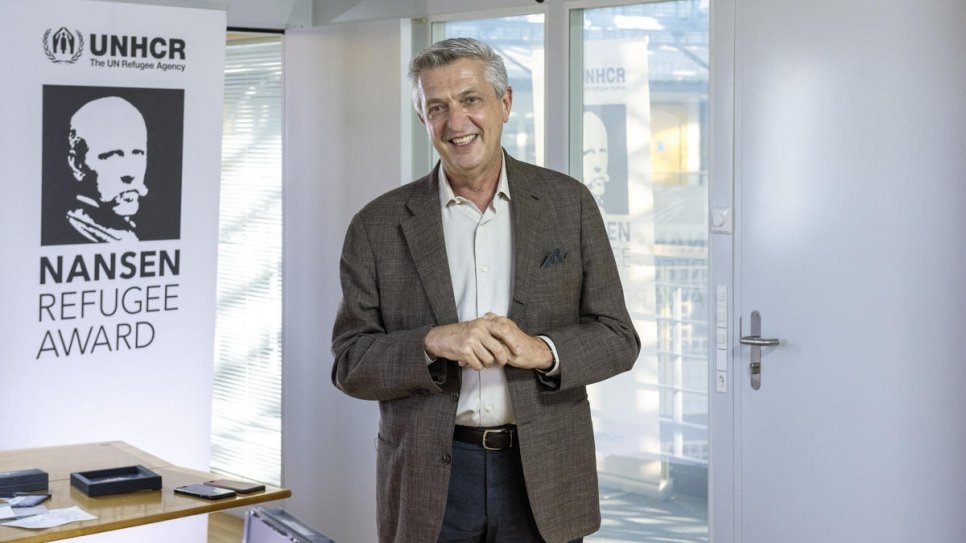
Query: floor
[(224, 528), (631, 518)]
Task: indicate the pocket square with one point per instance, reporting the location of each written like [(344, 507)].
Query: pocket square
[(555, 257)]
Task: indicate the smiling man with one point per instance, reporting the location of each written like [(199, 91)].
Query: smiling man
[(478, 304), (108, 157)]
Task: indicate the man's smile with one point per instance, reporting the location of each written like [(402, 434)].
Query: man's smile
[(463, 140)]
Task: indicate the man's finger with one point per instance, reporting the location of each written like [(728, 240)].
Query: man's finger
[(509, 334), (497, 350)]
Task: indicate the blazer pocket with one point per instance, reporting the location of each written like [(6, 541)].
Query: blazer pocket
[(557, 288), (555, 257), (563, 273)]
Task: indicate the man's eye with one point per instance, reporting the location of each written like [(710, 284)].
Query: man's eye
[(435, 109)]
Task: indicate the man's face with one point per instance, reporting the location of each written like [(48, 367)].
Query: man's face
[(464, 118), (116, 155), (595, 156)]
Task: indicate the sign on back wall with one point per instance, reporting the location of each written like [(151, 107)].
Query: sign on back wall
[(110, 142)]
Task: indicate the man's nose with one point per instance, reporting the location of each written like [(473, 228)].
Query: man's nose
[(456, 117)]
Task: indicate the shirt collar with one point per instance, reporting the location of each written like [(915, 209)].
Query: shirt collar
[(447, 196)]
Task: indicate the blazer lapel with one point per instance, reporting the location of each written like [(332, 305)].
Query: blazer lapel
[(424, 235), (528, 217)]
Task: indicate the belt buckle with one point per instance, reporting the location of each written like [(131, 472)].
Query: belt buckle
[(500, 431)]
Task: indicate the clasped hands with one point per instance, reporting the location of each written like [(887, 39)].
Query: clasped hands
[(488, 341)]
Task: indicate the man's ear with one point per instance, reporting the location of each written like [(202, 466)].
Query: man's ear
[(507, 101), (77, 165)]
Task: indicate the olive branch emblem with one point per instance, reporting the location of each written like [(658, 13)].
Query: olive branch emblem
[(77, 54)]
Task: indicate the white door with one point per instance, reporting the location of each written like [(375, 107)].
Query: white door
[(850, 201)]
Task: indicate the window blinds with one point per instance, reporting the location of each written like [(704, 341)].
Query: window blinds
[(246, 407)]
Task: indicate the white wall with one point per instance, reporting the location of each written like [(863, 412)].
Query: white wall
[(276, 14), (345, 117), (256, 14)]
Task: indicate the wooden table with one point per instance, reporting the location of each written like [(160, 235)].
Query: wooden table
[(121, 510)]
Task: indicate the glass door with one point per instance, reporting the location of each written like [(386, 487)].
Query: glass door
[(639, 141)]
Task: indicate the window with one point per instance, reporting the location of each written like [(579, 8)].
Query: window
[(639, 142), (246, 406)]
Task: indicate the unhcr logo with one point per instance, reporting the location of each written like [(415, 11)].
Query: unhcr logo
[(63, 46)]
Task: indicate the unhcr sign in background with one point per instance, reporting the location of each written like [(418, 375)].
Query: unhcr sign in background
[(111, 139)]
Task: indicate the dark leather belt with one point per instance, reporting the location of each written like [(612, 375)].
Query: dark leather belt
[(491, 439)]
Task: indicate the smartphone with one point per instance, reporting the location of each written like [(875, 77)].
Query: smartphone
[(240, 487), (205, 491)]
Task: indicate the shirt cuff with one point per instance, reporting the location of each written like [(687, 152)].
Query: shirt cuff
[(554, 369)]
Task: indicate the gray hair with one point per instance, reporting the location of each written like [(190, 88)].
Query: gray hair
[(448, 51)]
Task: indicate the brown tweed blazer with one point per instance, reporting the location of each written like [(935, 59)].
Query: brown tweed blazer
[(396, 284)]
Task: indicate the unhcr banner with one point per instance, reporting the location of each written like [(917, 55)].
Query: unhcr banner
[(616, 167), (111, 141)]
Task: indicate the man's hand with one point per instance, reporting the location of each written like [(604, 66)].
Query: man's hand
[(526, 351), (473, 343), (488, 341)]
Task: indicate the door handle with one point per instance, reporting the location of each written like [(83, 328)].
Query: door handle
[(756, 342), (760, 341)]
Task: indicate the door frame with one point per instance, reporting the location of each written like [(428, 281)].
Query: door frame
[(724, 493)]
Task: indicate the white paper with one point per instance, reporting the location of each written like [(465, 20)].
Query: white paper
[(54, 517), (22, 512), (6, 512)]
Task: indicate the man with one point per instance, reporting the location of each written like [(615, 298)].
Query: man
[(595, 157), (478, 302), (108, 157)]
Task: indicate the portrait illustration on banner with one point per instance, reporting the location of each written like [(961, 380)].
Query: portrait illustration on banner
[(605, 156), (111, 164)]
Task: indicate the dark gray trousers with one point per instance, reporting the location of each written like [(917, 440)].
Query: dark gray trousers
[(487, 501)]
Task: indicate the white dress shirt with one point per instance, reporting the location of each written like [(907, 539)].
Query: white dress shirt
[(479, 249)]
